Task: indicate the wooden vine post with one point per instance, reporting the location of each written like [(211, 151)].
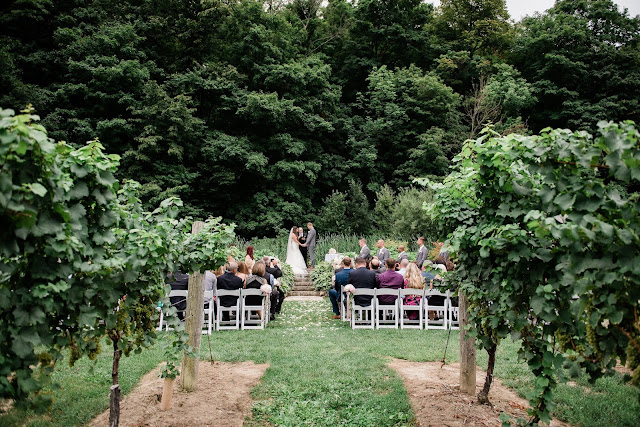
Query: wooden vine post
[(467, 350), (193, 323)]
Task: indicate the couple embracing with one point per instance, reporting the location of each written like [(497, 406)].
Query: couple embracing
[(294, 256)]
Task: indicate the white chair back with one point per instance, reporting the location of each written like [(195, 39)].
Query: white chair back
[(406, 309)]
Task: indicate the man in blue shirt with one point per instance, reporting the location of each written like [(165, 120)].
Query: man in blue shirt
[(342, 279)]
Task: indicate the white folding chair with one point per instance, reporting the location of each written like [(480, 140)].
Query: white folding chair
[(362, 317), (228, 324), (388, 312), (405, 309), (439, 310), (343, 305), (249, 321), (454, 312), (207, 313), (176, 293)]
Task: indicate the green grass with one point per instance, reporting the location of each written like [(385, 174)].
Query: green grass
[(323, 373), (84, 388)]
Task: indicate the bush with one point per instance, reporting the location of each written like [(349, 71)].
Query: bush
[(322, 276)]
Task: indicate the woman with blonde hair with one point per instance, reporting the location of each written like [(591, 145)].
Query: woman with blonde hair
[(243, 271), (413, 280), (255, 281)]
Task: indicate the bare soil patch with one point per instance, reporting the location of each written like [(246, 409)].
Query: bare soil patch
[(437, 401), (222, 398)]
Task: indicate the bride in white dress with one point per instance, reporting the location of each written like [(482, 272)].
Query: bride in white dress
[(294, 256)]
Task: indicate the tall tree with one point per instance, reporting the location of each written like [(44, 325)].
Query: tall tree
[(583, 58)]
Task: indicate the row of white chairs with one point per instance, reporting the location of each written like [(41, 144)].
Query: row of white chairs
[(376, 315), (241, 315)]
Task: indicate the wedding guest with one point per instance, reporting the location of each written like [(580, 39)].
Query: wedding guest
[(383, 253), (341, 279), (302, 238), (375, 266), (274, 268), (255, 280), (362, 278), (178, 281), (413, 280), (248, 258), (389, 279), (220, 271), (402, 254), (422, 252), (277, 294), (364, 250), (403, 266), (243, 271), (229, 281), (210, 283)]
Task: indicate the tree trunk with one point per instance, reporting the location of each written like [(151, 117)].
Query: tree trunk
[(467, 351), (114, 404), (193, 323), (483, 396)]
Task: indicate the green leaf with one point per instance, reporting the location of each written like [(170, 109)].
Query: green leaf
[(565, 201), (38, 189)]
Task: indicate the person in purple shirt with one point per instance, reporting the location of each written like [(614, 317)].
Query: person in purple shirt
[(390, 279)]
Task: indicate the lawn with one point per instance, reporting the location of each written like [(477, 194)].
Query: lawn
[(323, 373)]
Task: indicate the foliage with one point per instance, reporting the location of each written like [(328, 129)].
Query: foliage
[(322, 276), (346, 212), (259, 111), (545, 229), (286, 281), (583, 61), (80, 258), (480, 27)]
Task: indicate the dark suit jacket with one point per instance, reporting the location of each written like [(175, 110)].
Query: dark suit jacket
[(275, 271), (179, 282), (363, 278), (230, 282)]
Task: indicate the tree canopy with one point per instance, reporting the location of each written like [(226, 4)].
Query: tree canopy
[(248, 106)]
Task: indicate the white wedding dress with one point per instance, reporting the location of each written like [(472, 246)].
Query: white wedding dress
[(294, 258)]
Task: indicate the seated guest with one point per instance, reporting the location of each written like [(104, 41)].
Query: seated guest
[(210, 283), (255, 281), (229, 281), (402, 254), (361, 278), (220, 271), (342, 279), (243, 271), (248, 258), (389, 279), (375, 266), (179, 282), (403, 266), (277, 294), (413, 280)]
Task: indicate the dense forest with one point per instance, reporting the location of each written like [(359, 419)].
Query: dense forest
[(267, 112)]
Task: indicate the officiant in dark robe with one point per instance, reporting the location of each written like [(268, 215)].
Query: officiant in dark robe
[(302, 236)]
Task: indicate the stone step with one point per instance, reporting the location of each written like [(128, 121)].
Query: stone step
[(305, 293), (302, 283), (303, 288)]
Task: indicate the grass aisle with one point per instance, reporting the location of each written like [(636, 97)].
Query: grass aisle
[(323, 373)]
